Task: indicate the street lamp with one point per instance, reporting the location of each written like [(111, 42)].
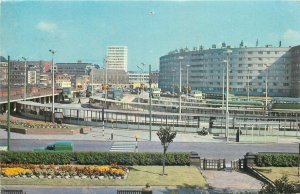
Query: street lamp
[(180, 59), (25, 77), (173, 71), (227, 52), (267, 74), (92, 69), (187, 81), (52, 52), (248, 84), (105, 65), (223, 83)]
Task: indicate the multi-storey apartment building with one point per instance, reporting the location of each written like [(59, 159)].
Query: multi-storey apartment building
[(295, 71), (251, 70), (117, 57)]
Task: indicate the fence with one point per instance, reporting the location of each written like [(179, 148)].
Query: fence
[(212, 164), (237, 165)]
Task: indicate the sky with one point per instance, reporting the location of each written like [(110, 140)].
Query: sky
[(81, 30)]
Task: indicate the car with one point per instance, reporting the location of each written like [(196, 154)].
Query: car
[(57, 146)]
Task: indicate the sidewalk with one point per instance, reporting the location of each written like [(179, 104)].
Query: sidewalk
[(129, 135)]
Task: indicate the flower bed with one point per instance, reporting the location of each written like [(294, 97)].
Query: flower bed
[(113, 171), (32, 124)]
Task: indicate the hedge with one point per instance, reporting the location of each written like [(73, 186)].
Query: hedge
[(276, 159), (95, 158)]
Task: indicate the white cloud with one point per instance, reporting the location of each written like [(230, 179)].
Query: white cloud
[(291, 35), (46, 26)]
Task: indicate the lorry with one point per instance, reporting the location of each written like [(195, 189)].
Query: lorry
[(57, 146)]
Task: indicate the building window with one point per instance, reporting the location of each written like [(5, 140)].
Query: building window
[(260, 52), (250, 65), (250, 52)]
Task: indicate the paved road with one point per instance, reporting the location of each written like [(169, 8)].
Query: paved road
[(229, 151)]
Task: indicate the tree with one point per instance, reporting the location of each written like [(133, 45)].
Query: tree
[(166, 137)]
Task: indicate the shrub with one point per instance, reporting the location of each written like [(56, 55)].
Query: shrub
[(282, 185), (94, 158), (276, 159)]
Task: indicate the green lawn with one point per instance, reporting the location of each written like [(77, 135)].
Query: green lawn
[(274, 173), (182, 176)]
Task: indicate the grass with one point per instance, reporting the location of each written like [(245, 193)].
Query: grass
[(274, 173), (180, 176)]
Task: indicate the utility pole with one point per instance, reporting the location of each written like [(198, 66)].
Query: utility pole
[(8, 103)]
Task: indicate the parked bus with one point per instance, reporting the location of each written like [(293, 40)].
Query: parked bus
[(67, 94)]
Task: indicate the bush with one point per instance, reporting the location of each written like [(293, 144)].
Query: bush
[(282, 185), (95, 158), (276, 159)]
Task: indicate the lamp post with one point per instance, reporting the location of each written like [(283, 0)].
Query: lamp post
[(223, 83), (180, 59), (227, 52), (105, 64), (25, 77), (52, 52), (140, 90), (150, 104), (248, 84), (173, 71), (92, 69), (267, 72), (187, 81)]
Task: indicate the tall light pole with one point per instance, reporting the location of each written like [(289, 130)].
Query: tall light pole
[(140, 89), (52, 52), (105, 64), (150, 104), (180, 59), (173, 71), (25, 77), (223, 82), (227, 52), (267, 72), (187, 81), (92, 69), (248, 84)]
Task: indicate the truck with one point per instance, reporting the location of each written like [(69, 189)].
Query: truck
[(57, 146), (67, 94)]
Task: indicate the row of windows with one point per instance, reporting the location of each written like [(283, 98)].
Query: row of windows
[(243, 83)]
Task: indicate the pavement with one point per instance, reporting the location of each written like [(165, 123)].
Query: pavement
[(104, 134)]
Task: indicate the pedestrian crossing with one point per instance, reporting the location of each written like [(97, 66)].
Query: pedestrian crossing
[(124, 147)]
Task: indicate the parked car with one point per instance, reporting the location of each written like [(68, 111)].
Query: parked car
[(57, 146)]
